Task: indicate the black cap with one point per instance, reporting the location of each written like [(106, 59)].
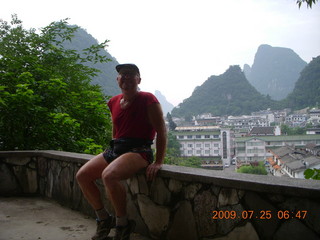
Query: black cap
[(128, 66)]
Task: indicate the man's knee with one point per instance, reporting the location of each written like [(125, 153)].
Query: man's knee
[(80, 176), (108, 176)]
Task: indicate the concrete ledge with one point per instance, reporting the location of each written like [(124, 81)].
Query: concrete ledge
[(186, 201), (257, 183)]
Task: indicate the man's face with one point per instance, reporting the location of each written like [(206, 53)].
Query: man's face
[(128, 79)]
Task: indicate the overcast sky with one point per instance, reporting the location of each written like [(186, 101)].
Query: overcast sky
[(179, 44)]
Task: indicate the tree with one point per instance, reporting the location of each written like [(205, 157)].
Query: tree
[(309, 2), (46, 99), (173, 146), (172, 124)]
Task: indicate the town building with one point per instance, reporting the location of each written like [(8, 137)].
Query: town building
[(291, 162), (210, 143), (246, 122), (255, 148), (265, 131), (296, 120)]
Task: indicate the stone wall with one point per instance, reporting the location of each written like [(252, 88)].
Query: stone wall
[(181, 203)]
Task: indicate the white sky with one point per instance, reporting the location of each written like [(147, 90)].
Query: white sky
[(179, 44)]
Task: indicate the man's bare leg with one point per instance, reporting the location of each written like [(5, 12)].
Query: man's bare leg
[(86, 177), (120, 169)]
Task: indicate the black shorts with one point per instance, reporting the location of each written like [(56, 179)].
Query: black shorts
[(125, 145)]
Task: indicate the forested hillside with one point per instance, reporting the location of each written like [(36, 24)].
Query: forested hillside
[(306, 92), (232, 94), (106, 78), (226, 94)]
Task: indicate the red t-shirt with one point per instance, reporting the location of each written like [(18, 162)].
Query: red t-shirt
[(133, 121)]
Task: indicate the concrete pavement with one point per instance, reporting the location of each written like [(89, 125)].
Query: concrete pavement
[(43, 219)]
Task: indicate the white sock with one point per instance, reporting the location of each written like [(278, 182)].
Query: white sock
[(102, 214), (121, 221)]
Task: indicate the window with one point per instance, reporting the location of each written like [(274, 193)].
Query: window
[(215, 136), (181, 137), (198, 152), (190, 145), (189, 137), (198, 145), (207, 145), (224, 143), (206, 136), (198, 136), (216, 145), (207, 152)]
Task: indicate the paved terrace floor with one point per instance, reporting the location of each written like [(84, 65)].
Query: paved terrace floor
[(44, 219)]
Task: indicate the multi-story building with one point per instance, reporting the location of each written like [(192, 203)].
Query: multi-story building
[(296, 120), (255, 148), (246, 122), (211, 143), (314, 117), (291, 162)]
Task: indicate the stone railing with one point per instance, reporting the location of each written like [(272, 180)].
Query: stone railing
[(181, 203)]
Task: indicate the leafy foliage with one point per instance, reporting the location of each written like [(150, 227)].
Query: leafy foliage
[(309, 2), (307, 87), (172, 124), (258, 169), (47, 101), (173, 146), (193, 162), (312, 174)]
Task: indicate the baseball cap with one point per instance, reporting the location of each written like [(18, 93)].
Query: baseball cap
[(128, 66)]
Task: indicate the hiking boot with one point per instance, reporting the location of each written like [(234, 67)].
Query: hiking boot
[(123, 233), (103, 228)]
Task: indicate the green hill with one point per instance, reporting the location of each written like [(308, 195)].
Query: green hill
[(226, 94), (306, 92), (106, 78)]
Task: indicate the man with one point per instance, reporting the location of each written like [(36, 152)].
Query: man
[(137, 118)]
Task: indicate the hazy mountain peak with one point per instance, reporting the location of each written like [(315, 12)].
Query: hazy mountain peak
[(275, 71), (166, 106)]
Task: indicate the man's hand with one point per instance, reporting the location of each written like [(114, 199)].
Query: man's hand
[(152, 170)]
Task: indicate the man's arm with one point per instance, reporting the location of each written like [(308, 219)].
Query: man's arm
[(156, 119)]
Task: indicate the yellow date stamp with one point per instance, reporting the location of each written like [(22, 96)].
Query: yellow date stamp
[(261, 214)]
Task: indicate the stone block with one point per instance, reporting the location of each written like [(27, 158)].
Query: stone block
[(8, 183), (19, 161), (42, 167), (160, 194), (191, 190), (143, 186), (175, 186), (27, 178), (183, 225), (133, 213), (226, 223), (264, 227), (293, 229), (155, 217), (227, 196), (134, 185), (204, 204), (246, 232), (312, 209)]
